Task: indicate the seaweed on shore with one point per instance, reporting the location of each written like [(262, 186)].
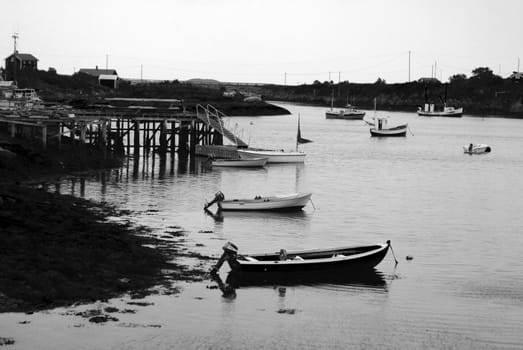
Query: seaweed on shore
[(58, 250)]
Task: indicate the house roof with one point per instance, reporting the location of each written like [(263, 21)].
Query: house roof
[(107, 77), (516, 75), (23, 56), (97, 72)]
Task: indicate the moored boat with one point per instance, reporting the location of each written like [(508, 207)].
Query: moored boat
[(380, 129), (343, 260), (293, 201), (429, 110), (249, 163), (476, 148), (348, 113), (273, 156)]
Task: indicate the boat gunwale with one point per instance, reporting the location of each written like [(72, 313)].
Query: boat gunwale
[(380, 248)]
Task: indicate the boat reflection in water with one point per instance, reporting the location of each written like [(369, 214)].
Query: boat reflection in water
[(371, 279), (220, 215)]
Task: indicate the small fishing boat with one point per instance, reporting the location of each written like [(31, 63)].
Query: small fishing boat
[(273, 156), (293, 201), (380, 129), (343, 260), (347, 113), (249, 163), (476, 148), (429, 110)]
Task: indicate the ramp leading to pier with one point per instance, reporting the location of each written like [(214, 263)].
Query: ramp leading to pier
[(212, 117)]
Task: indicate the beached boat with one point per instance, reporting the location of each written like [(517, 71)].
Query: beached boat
[(476, 148), (14, 99), (347, 113), (249, 163), (350, 259), (273, 156), (293, 201), (429, 110)]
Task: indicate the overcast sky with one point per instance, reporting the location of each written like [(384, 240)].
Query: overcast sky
[(260, 41)]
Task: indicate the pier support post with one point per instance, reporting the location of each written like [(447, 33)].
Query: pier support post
[(136, 142), (44, 136), (194, 139), (184, 138), (163, 138), (13, 130)]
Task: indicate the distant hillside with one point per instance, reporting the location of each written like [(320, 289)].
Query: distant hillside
[(483, 93), (81, 90)]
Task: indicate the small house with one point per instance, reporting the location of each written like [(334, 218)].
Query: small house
[(106, 77), (17, 62), (108, 80)]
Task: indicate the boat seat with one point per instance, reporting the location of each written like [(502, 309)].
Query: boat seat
[(250, 258), (338, 256), (297, 257)]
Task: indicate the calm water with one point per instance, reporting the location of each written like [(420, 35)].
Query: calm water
[(457, 215)]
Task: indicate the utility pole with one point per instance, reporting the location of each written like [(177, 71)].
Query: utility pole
[(106, 61), (435, 70), (285, 79), (518, 64), (329, 77), (15, 38), (141, 73), (409, 66)]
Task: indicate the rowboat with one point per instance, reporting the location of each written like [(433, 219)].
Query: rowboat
[(344, 260), (253, 162), (273, 155), (476, 148), (293, 201)]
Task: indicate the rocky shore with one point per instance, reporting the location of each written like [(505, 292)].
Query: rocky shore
[(59, 250)]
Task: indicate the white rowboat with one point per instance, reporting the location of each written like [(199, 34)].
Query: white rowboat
[(250, 163), (293, 201), (273, 156)]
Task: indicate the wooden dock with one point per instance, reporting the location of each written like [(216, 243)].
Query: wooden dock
[(125, 130)]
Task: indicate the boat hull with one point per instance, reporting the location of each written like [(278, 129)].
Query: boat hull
[(398, 131), (455, 113), (477, 149), (345, 116), (253, 162), (274, 203), (350, 260), (273, 156)]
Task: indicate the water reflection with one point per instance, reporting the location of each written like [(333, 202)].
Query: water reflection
[(275, 216), (371, 279)]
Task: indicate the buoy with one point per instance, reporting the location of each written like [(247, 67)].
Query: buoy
[(409, 257)]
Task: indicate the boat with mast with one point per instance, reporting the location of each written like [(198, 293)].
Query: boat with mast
[(347, 113), (379, 127), (429, 110), (275, 156)]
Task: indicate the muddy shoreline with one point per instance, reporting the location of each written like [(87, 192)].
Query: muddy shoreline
[(58, 250)]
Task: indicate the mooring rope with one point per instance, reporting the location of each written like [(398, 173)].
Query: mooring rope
[(392, 250)]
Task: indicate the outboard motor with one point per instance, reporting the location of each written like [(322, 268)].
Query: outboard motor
[(230, 252), (217, 198)]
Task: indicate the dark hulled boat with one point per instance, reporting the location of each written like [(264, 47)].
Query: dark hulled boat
[(305, 264)]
